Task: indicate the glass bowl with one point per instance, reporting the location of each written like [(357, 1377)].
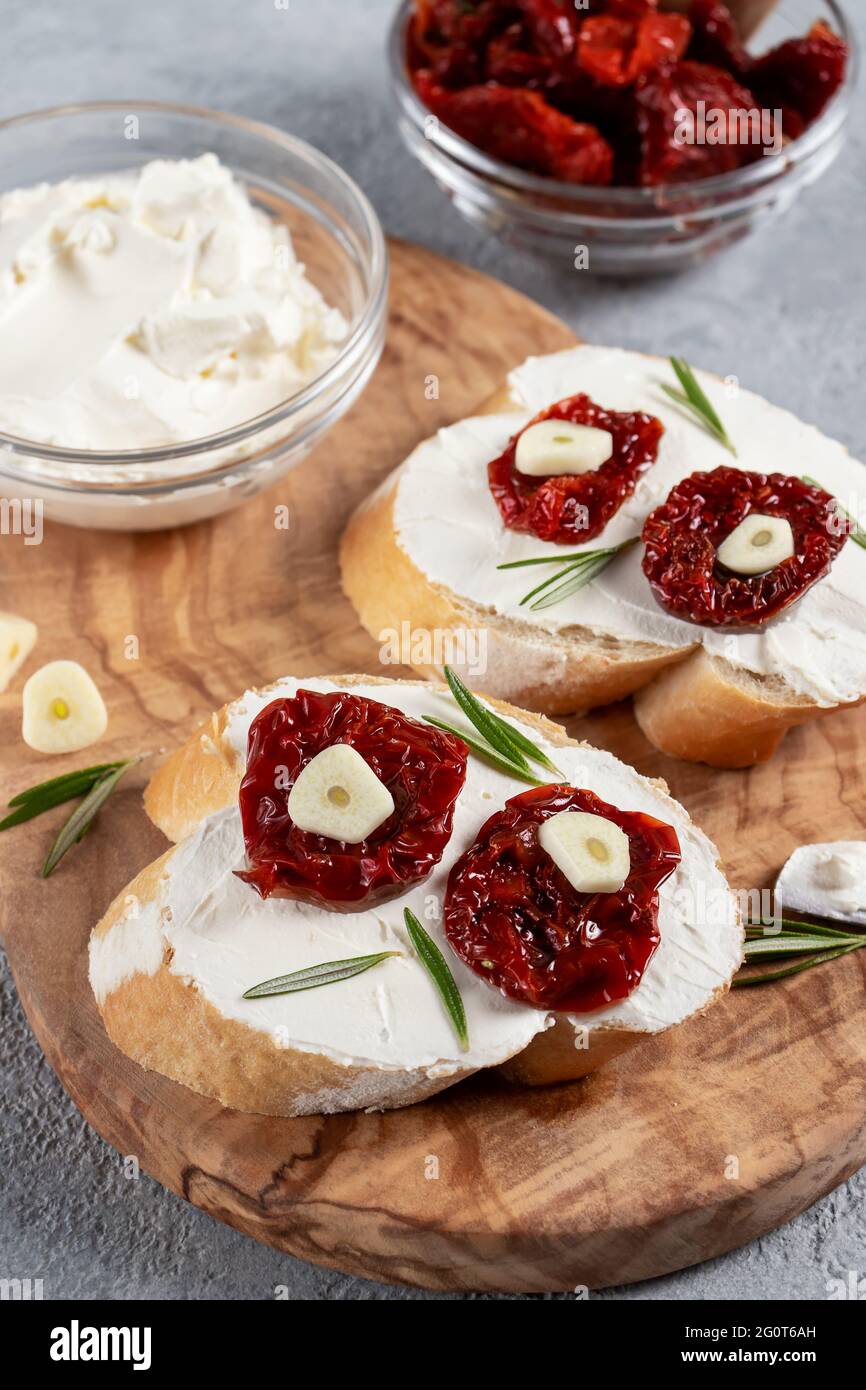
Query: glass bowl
[(336, 234), (627, 231)]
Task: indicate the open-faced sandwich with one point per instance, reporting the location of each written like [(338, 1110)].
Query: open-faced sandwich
[(473, 888), (614, 523)]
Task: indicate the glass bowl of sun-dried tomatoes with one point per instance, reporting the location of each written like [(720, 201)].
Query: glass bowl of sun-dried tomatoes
[(625, 136)]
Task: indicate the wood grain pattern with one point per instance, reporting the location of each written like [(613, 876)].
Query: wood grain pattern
[(617, 1178)]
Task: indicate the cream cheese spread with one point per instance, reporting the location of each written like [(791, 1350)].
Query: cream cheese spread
[(449, 525), (224, 938), (151, 308)]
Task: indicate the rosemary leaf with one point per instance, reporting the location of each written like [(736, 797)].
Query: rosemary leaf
[(580, 567), (485, 722), (857, 533), (509, 741), (790, 927), (694, 398), (509, 734), (577, 579), (437, 968), (88, 773), (527, 747), (787, 944), (34, 801), (79, 822), (482, 750), (327, 972), (552, 579), (765, 977), (546, 560)]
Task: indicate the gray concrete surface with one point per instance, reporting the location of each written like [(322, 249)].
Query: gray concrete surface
[(784, 312)]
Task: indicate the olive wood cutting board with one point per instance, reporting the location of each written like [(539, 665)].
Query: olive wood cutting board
[(684, 1148)]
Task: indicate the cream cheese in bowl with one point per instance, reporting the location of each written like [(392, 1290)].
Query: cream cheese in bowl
[(182, 316), (151, 308)]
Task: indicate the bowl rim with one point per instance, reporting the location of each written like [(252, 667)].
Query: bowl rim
[(584, 196), (370, 316)]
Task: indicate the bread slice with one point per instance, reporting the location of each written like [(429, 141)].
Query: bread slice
[(558, 673), (692, 703), (167, 1005)]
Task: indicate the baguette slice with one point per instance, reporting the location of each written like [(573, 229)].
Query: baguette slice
[(175, 951), (690, 703)]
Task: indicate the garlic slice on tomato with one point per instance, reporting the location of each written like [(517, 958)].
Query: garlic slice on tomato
[(590, 850), (555, 447), (757, 545), (62, 709), (339, 795)]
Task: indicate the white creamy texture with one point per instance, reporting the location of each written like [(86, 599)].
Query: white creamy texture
[(226, 939), (449, 524), (826, 880), (151, 308)]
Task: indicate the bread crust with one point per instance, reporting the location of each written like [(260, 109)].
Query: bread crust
[(706, 710), (239, 1066), (688, 704), (197, 780)]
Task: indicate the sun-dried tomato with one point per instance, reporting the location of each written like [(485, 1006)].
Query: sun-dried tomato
[(520, 127), (508, 61), (572, 508), (619, 71), (423, 769), (513, 917), (616, 51), (449, 37), (552, 27), (674, 151), (801, 74), (716, 39), (629, 9), (681, 538)]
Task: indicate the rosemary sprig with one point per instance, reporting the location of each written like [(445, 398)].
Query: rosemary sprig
[(489, 725), (765, 977), (581, 568), (80, 820), (792, 926), (54, 792), (694, 399), (327, 972), (437, 968), (482, 750), (857, 533), (820, 943), (504, 746), (788, 944)]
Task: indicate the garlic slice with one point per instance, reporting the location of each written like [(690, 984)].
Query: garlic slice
[(591, 851), (554, 447), (62, 709), (339, 795), (17, 640), (757, 545)]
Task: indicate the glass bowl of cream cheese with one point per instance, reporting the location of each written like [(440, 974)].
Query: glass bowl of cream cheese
[(188, 301)]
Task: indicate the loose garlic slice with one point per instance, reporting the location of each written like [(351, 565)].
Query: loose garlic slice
[(592, 852), (62, 708), (554, 447), (17, 640), (339, 795), (758, 544)]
